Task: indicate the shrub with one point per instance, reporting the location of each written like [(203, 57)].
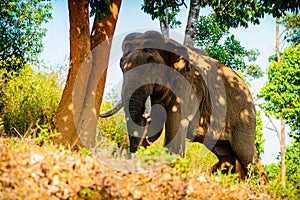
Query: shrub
[(291, 189), (292, 165), (201, 158), (156, 156), (28, 98), (114, 127)]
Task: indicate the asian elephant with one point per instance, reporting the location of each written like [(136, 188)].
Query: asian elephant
[(193, 96)]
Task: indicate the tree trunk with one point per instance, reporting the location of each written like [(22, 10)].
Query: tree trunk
[(76, 117), (103, 31), (190, 31), (101, 39), (282, 149), (164, 24), (79, 50), (282, 121)]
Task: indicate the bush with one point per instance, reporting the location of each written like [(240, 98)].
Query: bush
[(292, 165), (28, 98), (155, 156), (201, 158), (114, 127), (292, 187)]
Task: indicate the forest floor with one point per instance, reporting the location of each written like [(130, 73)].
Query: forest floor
[(30, 171)]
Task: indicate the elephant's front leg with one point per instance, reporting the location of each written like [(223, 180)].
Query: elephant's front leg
[(176, 130), (151, 130)]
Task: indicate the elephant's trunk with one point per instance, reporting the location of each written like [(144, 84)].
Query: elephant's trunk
[(134, 101), (112, 111)]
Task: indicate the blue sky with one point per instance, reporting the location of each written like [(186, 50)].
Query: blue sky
[(131, 19)]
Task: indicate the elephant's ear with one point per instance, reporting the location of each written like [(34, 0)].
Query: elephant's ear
[(129, 42), (177, 56), (147, 40)]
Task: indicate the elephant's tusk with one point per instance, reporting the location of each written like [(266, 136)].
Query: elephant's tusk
[(112, 111)]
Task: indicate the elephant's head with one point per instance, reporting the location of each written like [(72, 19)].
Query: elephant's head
[(152, 47), (144, 55), (153, 67)]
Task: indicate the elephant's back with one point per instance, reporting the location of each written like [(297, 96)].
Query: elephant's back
[(240, 110)]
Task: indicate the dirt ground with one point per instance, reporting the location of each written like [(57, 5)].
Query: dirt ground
[(28, 171)]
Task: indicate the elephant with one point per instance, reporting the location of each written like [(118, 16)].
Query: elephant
[(193, 96)]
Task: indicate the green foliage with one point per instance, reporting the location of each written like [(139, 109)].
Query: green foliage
[(21, 32), (292, 188), (226, 180), (89, 193), (240, 12), (231, 14), (155, 155), (114, 128), (27, 98), (282, 91), (276, 189), (201, 158), (210, 33), (100, 8), (84, 151), (259, 140), (272, 170), (157, 10), (292, 164), (43, 133), (279, 191), (292, 24)]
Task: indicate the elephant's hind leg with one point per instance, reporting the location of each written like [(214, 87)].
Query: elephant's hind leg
[(226, 157), (243, 147)]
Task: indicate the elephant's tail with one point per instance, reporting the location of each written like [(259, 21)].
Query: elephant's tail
[(259, 166), (112, 111)]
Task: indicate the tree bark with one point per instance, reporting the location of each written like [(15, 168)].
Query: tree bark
[(282, 120), (164, 24), (190, 31), (282, 149), (103, 31), (76, 117), (79, 50), (101, 39)]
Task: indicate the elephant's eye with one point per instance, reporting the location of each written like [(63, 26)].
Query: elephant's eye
[(180, 58), (150, 59)]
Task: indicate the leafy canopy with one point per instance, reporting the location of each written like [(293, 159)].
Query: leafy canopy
[(239, 12), (292, 24), (232, 13), (230, 52), (100, 8), (21, 31), (157, 10), (282, 91)]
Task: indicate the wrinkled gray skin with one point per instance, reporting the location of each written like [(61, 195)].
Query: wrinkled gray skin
[(182, 115)]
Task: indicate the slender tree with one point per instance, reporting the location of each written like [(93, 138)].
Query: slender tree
[(281, 95), (190, 31), (283, 91), (165, 11), (282, 120)]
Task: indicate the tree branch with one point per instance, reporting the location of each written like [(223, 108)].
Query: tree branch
[(275, 128)]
